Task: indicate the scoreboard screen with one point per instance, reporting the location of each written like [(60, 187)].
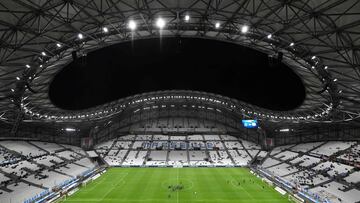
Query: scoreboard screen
[(250, 123)]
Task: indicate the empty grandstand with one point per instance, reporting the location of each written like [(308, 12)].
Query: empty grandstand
[(30, 168), (180, 101), (186, 150)]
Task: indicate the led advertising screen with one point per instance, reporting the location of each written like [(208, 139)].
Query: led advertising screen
[(250, 123)]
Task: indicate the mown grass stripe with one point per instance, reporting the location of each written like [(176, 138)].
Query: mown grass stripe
[(150, 185)]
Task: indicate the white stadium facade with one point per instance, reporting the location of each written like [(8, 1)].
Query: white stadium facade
[(312, 150)]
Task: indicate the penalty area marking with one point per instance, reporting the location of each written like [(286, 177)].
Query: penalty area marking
[(120, 181), (108, 180)]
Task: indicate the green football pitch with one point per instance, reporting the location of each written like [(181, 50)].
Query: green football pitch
[(177, 185)]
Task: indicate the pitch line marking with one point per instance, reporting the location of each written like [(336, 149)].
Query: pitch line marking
[(114, 186), (165, 183), (242, 188), (104, 180), (177, 192)]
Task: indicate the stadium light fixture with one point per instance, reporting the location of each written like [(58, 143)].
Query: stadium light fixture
[(217, 25), (70, 129), (284, 130), (269, 36), (105, 29), (132, 25), (187, 18), (160, 23), (80, 36), (244, 29), (58, 45)]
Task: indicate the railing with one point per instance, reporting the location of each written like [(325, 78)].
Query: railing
[(38, 196), (46, 194), (292, 187)]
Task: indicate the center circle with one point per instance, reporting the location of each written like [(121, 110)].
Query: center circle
[(186, 183)]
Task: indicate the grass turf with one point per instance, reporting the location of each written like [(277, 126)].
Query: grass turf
[(177, 185)]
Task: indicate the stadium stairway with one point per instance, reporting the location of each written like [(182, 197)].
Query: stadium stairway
[(5, 189), (147, 156), (16, 178), (79, 164), (33, 184), (59, 172), (47, 152), (246, 150), (265, 158), (13, 152), (227, 152), (253, 158), (320, 184), (112, 146), (207, 154), (188, 157), (9, 175), (167, 157), (124, 158), (74, 151)]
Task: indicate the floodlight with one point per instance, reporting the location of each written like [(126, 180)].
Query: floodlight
[(160, 23), (70, 129), (187, 18), (217, 25), (245, 29), (284, 130), (132, 25)]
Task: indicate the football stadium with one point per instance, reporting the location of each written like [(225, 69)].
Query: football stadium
[(181, 101)]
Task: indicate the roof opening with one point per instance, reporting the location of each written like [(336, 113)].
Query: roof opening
[(174, 63)]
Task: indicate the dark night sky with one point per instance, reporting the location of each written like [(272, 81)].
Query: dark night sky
[(178, 63)]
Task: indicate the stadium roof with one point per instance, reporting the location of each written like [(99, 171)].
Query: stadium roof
[(318, 38)]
